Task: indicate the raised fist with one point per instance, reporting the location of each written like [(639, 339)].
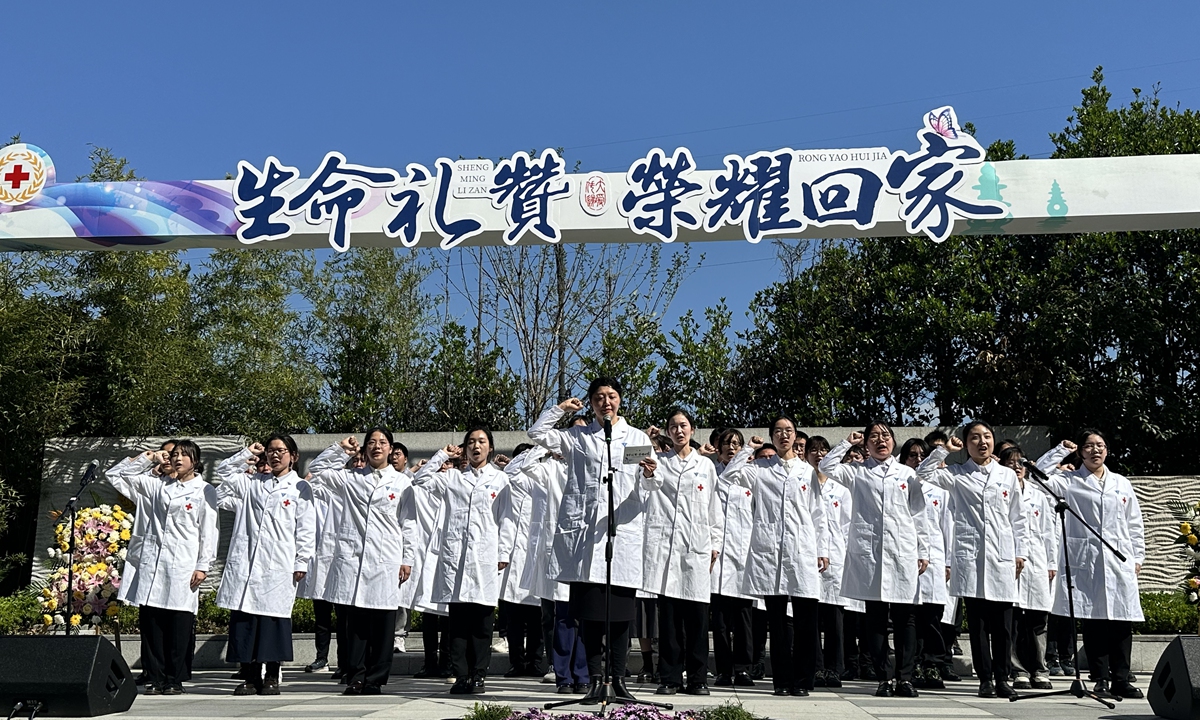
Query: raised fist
[(571, 405)]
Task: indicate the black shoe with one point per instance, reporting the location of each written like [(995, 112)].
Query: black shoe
[(885, 689), (339, 674), (819, 679), (140, 679), (947, 674), (1125, 691), (759, 671), (849, 674), (478, 687), (723, 680), (594, 693), (565, 689), (697, 689), (905, 689), (1005, 690), (1041, 684), (987, 689), (620, 690), (246, 688), (372, 689), (920, 679), (832, 680), (742, 679), (799, 692), (423, 674), (956, 649), (173, 689), (461, 687), (665, 689), (315, 665), (1055, 669), (869, 674), (149, 689), (1068, 668), (1022, 684), (514, 672), (782, 691), (356, 688)]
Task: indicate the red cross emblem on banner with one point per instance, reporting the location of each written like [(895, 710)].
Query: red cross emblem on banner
[(16, 176), (287, 502), (188, 507)]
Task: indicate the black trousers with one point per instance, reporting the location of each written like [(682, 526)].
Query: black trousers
[(593, 643), (526, 639), (340, 614), (761, 627), (682, 641), (437, 652), (989, 624), (1060, 640), (904, 631), (733, 634), (830, 649), (470, 639), (930, 640), (547, 613), (166, 634), (1029, 641), (854, 641), (793, 663), (369, 636), (1109, 645), (323, 613)]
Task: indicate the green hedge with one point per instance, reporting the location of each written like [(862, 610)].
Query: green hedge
[(20, 613)]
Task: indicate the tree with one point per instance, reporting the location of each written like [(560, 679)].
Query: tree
[(696, 371), (466, 385)]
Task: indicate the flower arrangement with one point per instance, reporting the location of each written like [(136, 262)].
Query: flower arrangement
[(725, 711), (1189, 526), (102, 536)]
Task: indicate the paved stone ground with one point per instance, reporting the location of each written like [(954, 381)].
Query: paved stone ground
[(209, 697)]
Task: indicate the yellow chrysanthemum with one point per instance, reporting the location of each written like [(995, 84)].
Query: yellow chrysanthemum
[(1192, 539), (47, 620), (125, 535), (1185, 528), (76, 619), (112, 610), (52, 604)]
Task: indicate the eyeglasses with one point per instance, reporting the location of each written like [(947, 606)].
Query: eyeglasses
[(876, 436), (786, 432), (1095, 446), (277, 451)]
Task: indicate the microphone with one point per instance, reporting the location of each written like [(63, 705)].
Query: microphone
[(608, 426), (1034, 470), (91, 471)]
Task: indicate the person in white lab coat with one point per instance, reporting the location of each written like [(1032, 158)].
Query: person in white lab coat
[(830, 650), (427, 509), (274, 537), (468, 576), (683, 541), (1034, 598), (579, 541), (326, 509), (399, 461), (789, 549), (371, 558), (988, 551), (732, 610), (1106, 588), (887, 549), (169, 555), (932, 666), (523, 608)]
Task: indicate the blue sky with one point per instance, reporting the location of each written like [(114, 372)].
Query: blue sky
[(185, 90)]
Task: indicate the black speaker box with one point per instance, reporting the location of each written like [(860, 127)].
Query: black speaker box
[(72, 676), (1175, 687)]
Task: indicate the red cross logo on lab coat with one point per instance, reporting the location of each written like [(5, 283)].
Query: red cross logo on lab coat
[(287, 502), (188, 507), (1005, 493), (391, 496), (747, 493), (700, 487), (903, 486)]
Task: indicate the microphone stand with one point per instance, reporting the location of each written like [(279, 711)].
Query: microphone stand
[(1062, 508), (608, 695), (70, 512)]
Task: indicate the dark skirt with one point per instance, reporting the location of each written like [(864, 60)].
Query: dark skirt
[(258, 638), (646, 622), (587, 602)]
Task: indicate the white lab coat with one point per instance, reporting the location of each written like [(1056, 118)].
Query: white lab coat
[(516, 528), (839, 505), (579, 539), (789, 531), (887, 531), (426, 508), (274, 535), (365, 570), (683, 527), (1105, 587), (547, 479), (469, 554), (737, 522), (177, 538), (327, 508), (989, 526), (932, 584), (1033, 586)]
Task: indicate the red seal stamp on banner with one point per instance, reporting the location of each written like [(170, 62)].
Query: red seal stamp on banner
[(594, 194)]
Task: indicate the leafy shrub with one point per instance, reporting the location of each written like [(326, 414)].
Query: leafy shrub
[(210, 619), (1166, 614), (489, 711), (20, 613), (728, 710)]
